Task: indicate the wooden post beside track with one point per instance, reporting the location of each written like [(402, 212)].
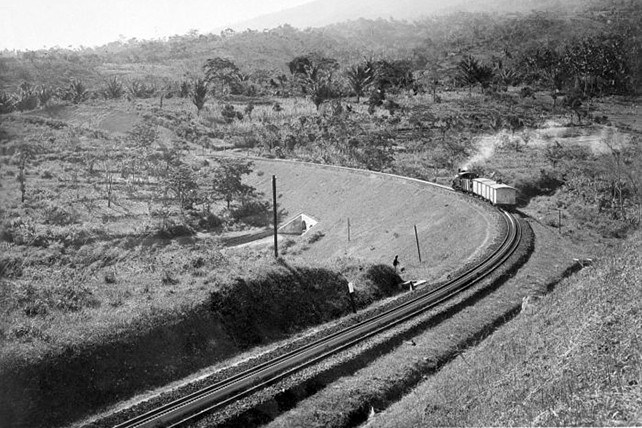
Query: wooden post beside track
[(348, 229), (417, 239), (276, 245)]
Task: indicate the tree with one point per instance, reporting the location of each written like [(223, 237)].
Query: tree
[(394, 75), (139, 89), (182, 182), (27, 97), (361, 77), (249, 108), (76, 92), (25, 153), (574, 102), (114, 89), (142, 138), (199, 94), (108, 165), (471, 72), (224, 72), (45, 94), (227, 182), (598, 64), (314, 74)]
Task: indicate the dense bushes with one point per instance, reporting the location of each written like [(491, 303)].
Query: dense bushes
[(286, 299), (544, 183), (254, 212)]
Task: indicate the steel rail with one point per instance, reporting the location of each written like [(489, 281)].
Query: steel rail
[(221, 393)]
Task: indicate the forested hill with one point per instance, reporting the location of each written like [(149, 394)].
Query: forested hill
[(321, 13), (434, 44)]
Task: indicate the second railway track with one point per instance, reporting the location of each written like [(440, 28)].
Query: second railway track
[(222, 393)]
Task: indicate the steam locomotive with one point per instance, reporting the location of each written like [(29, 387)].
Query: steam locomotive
[(497, 194)]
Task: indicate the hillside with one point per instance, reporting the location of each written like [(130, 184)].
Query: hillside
[(570, 359), (434, 45), (326, 12), (382, 213), (128, 169), (321, 13)]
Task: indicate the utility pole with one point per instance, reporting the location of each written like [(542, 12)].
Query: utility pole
[(276, 244), (348, 229), (417, 239)]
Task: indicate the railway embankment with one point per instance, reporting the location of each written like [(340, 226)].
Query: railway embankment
[(249, 312), (365, 381), (571, 358), (60, 382), (421, 355), (295, 398)]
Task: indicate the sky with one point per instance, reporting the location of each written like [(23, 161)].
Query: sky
[(38, 24)]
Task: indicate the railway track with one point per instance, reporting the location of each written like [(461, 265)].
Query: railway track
[(218, 395)]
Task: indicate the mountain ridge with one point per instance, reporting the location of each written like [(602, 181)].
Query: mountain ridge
[(320, 13)]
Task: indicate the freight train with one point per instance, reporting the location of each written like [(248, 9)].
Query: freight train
[(497, 194)]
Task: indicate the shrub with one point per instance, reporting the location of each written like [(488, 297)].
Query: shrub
[(139, 89), (209, 221), (253, 212), (7, 103), (229, 113), (59, 216), (114, 89), (11, 266), (66, 292), (76, 92), (247, 141), (19, 231), (173, 229), (316, 236), (546, 183), (168, 278), (110, 277), (284, 299), (27, 97)]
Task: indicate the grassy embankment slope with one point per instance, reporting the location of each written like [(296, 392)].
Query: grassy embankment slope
[(572, 358), (383, 212)]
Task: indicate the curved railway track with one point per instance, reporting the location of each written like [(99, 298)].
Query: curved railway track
[(220, 394)]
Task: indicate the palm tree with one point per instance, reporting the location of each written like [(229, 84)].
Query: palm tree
[(360, 77), (199, 94)]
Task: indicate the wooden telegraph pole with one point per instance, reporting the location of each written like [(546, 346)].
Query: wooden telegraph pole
[(276, 245), (417, 239), (348, 229)]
